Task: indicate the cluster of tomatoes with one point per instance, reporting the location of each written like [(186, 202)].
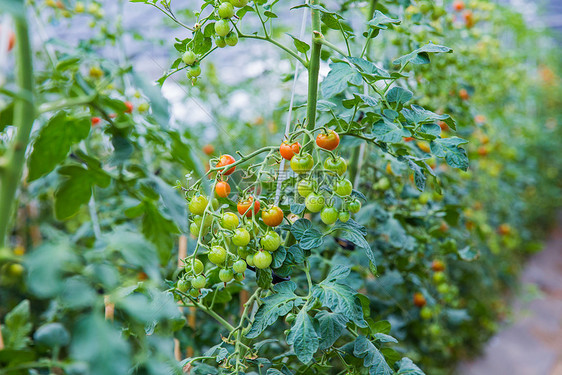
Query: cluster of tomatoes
[(224, 35), (247, 237)]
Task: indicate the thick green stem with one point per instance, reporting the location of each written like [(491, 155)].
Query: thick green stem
[(24, 114), (313, 69)]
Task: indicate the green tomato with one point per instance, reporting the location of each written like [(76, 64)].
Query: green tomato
[(229, 220), (262, 259), (183, 285), (305, 187), (438, 277), (226, 10), (426, 313), (231, 39), (217, 255), (197, 204), (424, 197), (222, 27), (302, 163), (220, 41), (189, 57), (336, 165), (443, 288), (194, 71), (343, 187), (243, 252), (241, 237), (271, 241), (194, 293), (226, 275), (344, 216), (199, 282), (435, 329), (354, 206), (329, 215), (314, 202), (239, 3), (198, 266), (195, 228), (382, 184), (239, 266), (250, 260), (239, 276)]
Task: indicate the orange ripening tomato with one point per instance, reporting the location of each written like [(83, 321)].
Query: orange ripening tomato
[(225, 160), (244, 205), (408, 139), (443, 125), (222, 189), (468, 18), (458, 5), (438, 265), (389, 169), (482, 151), (419, 299), (480, 119), (95, 121), (328, 141), (287, 150), (463, 94), (11, 39), (504, 229), (424, 146), (273, 216), (208, 149), (129, 106)]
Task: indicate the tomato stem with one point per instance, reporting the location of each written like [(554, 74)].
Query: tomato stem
[(313, 70)]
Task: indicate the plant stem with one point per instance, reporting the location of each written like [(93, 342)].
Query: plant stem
[(24, 114), (313, 70), (273, 41), (64, 103)]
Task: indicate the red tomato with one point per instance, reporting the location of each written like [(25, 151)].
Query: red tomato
[(438, 265), (328, 141), (463, 94), (222, 189), (408, 139), (272, 217), (208, 149), (287, 150), (225, 160), (458, 5), (244, 205), (129, 107), (419, 299), (11, 39), (95, 121)]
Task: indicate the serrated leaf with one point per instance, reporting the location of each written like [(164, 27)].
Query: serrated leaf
[(421, 55), (338, 78), (279, 256), (299, 44), (407, 367), (17, 326), (311, 239), (278, 304), (264, 278), (373, 359), (299, 227), (449, 149), (381, 21), (399, 95), (303, 337), (330, 327), (386, 131)]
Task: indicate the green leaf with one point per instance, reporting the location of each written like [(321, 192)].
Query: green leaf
[(299, 227), (264, 278), (421, 55), (386, 131), (398, 95), (449, 149), (330, 327), (303, 337), (279, 256), (54, 141), (417, 115), (356, 233), (15, 7), (299, 44), (339, 297), (311, 239), (467, 254), (74, 192), (373, 358), (52, 335), (6, 115), (278, 304), (338, 78), (407, 367), (159, 230), (381, 21), (17, 326), (368, 68)]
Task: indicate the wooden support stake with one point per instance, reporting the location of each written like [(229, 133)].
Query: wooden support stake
[(109, 308), (1, 338)]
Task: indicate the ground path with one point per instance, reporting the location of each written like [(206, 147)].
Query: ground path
[(532, 343)]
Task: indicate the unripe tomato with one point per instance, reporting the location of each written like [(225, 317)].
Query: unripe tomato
[(250, 260), (220, 41), (343, 187), (302, 163), (199, 282), (217, 255), (383, 184), (198, 267), (239, 276), (195, 228), (305, 187), (241, 237), (189, 57), (231, 39), (79, 7), (229, 221), (222, 27), (226, 10), (239, 266), (143, 107), (239, 3), (244, 205), (129, 106), (226, 275), (344, 216), (424, 146), (426, 313), (198, 204), (287, 150), (271, 241), (419, 299), (183, 285), (262, 259), (194, 71), (435, 329), (95, 121), (290, 318), (504, 229), (443, 288), (222, 188), (273, 216), (225, 160), (314, 202), (437, 265), (194, 293), (438, 277), (336, 165), (354, 206), (328, 141), (424, 197), (329, 215)]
